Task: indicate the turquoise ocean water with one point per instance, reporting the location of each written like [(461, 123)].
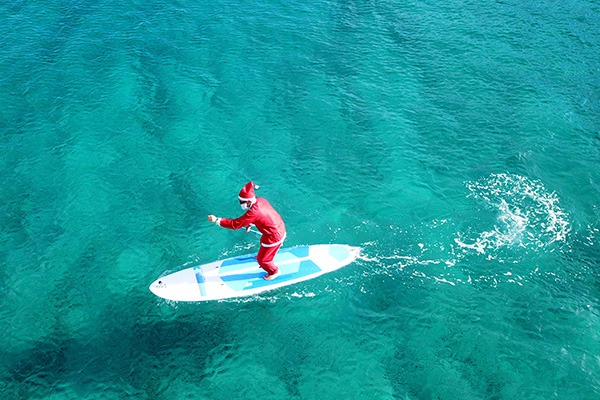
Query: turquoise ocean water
[(457, 143)]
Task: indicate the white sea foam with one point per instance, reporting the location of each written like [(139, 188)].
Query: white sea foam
[(528, 215), (525, 218)]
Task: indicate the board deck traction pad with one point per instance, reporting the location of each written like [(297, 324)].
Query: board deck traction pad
[(241, 276)]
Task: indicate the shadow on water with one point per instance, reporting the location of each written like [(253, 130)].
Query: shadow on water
[(127, 348), (582, 263), (292, 359), (192, 209)]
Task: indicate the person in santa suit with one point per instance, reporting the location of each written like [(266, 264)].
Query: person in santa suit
[(260, 213)]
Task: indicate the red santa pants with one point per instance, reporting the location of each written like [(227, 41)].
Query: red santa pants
[(265, 258)]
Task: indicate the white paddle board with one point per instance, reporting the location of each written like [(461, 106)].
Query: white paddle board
[(241, 276)]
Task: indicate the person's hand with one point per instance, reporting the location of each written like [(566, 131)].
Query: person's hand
[(212, 218)]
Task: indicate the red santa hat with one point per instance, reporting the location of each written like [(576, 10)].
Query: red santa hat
[(247, 192)]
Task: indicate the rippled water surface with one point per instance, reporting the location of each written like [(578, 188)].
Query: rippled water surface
[(457, 143)]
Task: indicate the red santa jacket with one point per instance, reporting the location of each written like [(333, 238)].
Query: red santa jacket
[(266, 220)]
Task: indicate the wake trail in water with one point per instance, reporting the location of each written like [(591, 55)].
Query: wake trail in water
[(528, 215), (519, 218)]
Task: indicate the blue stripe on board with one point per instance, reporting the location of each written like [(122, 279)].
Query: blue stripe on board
[(244, 262), (253, 280), (200, 280), (340, 253), (238, 260), (299, 252)]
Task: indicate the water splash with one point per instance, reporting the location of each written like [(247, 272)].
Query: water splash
[(525, 218), (528, 215)]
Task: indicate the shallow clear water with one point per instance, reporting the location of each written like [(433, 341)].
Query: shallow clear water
[(458, 143)]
